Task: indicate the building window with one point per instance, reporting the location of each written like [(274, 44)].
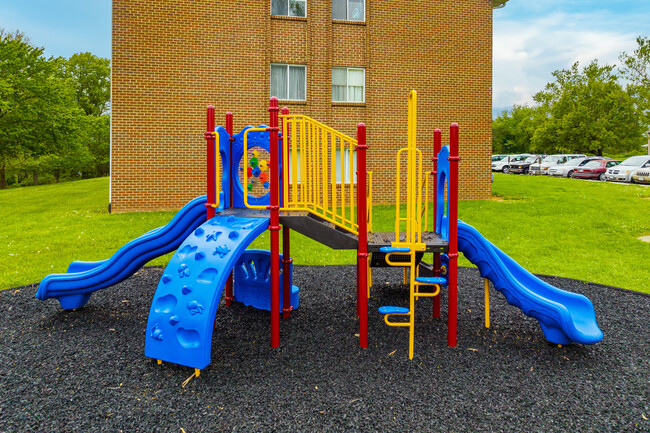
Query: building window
[(342, 167), (289, 8), (288, 82), (345, 166), (348, 84), (349, 10)]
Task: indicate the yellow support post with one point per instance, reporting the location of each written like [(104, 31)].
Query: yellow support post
[(487, 302)]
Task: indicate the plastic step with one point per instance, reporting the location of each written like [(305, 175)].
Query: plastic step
[(394, 250), (393, 310), (431, 280)]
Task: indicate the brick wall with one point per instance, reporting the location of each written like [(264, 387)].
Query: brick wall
[(171, 59)]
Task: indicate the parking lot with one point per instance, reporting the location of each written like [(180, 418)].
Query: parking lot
[(632, 170)]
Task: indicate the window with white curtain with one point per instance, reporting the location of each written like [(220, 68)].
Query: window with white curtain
[(346, 166), (289, 8), (349, 10), (289, 82), (348, 84), (342, 167)]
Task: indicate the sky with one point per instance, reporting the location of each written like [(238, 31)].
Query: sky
[(532, 38), (62, 27)]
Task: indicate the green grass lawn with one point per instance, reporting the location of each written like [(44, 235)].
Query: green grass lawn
[(565, 227)]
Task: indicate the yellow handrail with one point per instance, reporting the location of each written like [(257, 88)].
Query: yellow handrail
[(369, 202), (317, 179)]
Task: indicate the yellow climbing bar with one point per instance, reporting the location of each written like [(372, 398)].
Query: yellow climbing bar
[(245, 156)]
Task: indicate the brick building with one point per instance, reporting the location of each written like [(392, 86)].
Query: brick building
[(338, 61)]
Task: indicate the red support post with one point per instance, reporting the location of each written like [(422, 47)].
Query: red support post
[(274, 225), (287, 308), (229, 130), (211, 174), (453, 234), (362, 250), (229, 297), (437, 145)]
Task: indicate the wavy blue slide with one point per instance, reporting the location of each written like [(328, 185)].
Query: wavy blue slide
[(74, 288), (181, 318), (565, 317)]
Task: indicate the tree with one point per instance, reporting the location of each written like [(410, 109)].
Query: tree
[(96, 138), (23, 70), (587, 111), (636, 68), (39, 114), (512, 130), (91, 76)]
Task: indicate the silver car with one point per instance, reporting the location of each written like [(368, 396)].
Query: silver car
[(623, 171), (552, 160)]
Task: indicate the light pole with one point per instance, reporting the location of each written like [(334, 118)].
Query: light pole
[(648, 132)]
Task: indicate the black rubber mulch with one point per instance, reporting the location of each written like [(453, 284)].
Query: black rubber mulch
[(86, 371)]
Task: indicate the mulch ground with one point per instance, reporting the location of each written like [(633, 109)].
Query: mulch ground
[(85, 371)]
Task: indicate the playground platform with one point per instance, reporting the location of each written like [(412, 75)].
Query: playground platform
[(329, 234)]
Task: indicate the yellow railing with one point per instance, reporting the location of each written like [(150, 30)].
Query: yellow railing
[(319, 166), (369, 202)]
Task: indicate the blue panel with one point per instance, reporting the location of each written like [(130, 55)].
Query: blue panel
[(255, 139), (73, 289), (442, 179), (181, 318), (253, 281), (393, 310), (564, 316)]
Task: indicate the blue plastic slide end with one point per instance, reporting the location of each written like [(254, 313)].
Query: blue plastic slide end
[(431, 280), (394, 250), (393, 310)]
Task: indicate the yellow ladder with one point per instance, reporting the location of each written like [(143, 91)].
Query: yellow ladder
[(412, 243), (415, 282)]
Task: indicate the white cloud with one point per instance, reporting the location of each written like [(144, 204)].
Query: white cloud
[(528, 49)]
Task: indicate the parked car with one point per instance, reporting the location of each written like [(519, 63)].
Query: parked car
[(623, 171), (594, 169), (523, 167), (496, 158), (567, 169), (641, 175), (504, 164), (551, 160)]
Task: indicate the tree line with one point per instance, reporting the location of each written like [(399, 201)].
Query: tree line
[(593, 110), (54, 114)]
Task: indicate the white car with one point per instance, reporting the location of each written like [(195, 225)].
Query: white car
[(552, 160), (641, 175), (623, 172), (566, 169), (504, 164)]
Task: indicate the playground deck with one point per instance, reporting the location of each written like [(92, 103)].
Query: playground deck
[(336, 237)]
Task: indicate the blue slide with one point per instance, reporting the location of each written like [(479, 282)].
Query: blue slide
[(565, 317), (181, 318), (74, 288)]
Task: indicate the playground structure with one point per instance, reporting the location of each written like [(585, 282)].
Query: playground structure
[(315, 190)]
